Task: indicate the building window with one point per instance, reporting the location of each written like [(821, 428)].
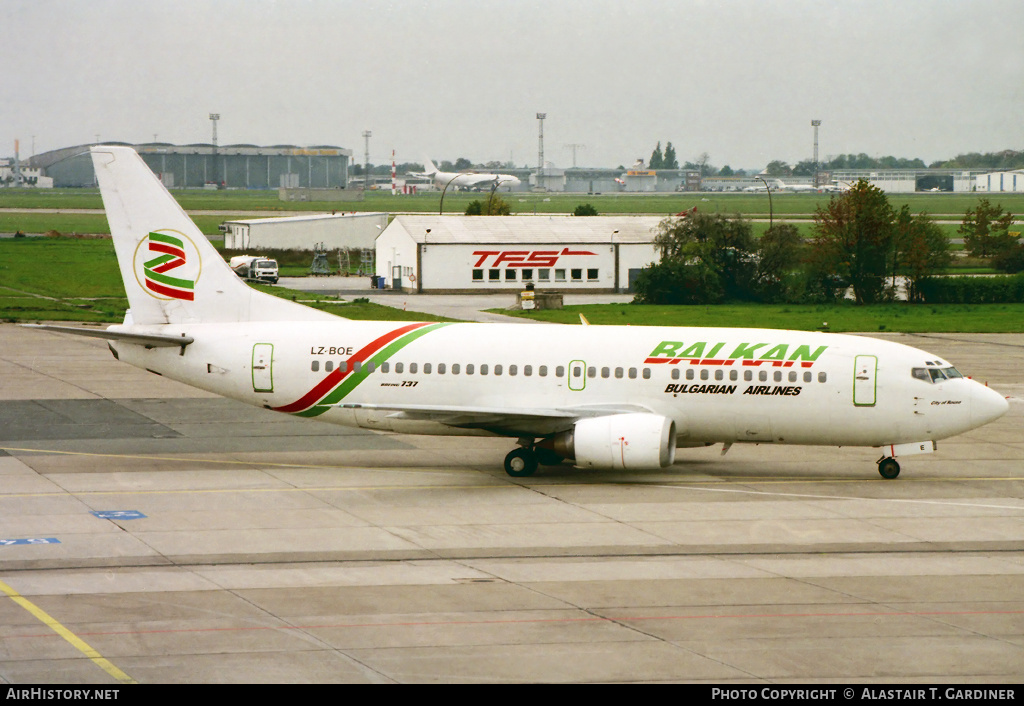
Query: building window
[(592, 274), (577, 274), (478, 275), (494, 275), (527, 275), (544, 275), (510, 275), (559, 275)]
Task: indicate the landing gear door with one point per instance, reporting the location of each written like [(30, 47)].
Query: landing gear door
[(262, 367), (865, 373)]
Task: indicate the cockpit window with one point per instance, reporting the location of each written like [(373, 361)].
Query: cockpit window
[(935, 374)]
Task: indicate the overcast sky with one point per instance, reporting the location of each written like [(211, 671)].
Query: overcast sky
[(738, 79)]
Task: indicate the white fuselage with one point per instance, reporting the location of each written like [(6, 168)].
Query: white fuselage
[(716, 384)]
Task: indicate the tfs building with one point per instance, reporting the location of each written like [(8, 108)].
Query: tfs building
[(465, 254)]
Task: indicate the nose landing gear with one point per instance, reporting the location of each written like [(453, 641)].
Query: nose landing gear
[(888, 468)]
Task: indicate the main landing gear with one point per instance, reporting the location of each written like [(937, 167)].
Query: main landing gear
[(888, 467), (523, 462)]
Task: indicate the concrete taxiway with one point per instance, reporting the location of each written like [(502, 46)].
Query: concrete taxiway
[(243, 546)]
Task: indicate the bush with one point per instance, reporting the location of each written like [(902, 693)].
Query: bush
[(1011, 261), (973, 290), (585, 209)]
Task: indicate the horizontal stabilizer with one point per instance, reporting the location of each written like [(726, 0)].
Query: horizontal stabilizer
[(149, 340)]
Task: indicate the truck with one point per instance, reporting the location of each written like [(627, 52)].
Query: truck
[(258, 268)]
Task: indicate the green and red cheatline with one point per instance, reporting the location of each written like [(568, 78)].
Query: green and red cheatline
[(343, 379)]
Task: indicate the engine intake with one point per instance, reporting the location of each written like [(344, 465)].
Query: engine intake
[(632, 441)]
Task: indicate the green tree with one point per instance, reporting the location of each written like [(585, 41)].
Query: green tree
[(854, 236), (708, 257), (657, 159), (921, 250), (494, 205), (986, 230), (777, 168), (778, 275), (585, 209), (670, 161)]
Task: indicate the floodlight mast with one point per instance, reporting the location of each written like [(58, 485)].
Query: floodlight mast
[(815, 124), (366, 168), (214, 117), (540, 149)]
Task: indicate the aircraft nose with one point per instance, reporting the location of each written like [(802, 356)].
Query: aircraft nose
[(987, 405)]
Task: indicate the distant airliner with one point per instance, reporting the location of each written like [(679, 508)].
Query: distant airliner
[(799, 188), (604, 397), (466, 180)]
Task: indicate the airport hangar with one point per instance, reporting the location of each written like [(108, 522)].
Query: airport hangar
[(472, 254), (208, 165)]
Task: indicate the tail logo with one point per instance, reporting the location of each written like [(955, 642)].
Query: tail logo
[(162, 253)]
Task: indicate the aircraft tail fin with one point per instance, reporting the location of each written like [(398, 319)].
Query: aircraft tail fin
[(430, 167), (171, 272)]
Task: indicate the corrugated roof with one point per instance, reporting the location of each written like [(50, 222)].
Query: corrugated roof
[(528, 229), (307, 217)]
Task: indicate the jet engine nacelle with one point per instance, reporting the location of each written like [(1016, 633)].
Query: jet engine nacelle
[(622, 441)]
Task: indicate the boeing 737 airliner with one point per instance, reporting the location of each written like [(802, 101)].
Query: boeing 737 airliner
[(604, 397)]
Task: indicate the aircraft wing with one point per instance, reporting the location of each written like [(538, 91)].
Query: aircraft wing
[(149, 340), (508, 421)]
